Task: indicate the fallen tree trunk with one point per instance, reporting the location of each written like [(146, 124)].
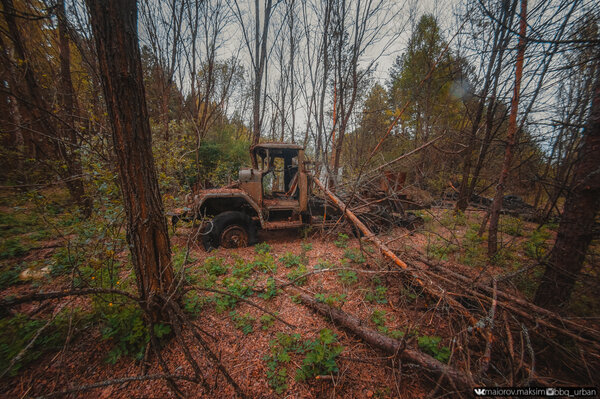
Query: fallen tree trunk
[(583, 334), (392, 346), (423, 280)]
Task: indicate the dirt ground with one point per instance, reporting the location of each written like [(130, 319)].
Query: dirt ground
[(364, 372)]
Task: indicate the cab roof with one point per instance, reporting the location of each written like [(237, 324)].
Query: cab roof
[(277, 146)]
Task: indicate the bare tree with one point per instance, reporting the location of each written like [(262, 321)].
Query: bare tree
[(163, 22), (258, 55), (510, 136)]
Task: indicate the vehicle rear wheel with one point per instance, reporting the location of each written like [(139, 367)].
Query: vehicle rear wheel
[(230, 230)]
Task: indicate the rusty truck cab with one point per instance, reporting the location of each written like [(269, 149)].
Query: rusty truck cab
[(278, 184)]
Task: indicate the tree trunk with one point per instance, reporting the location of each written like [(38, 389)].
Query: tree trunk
[(510, 137), (259, 68), (68, 133), (114, 25), (577, 223), (463, 195)]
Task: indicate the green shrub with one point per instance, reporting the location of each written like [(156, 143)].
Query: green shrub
[(348, 277), (378, 295), (235, 286), (474, 254), (9, 276), (431, 345), (296, 273), (335, 300), (243, 322), (193, 303), (321, 355), (280, 349), (19, 330), (262, 248), (355, 256), (271, 290), (440, 251), (266, 321), (290, 260), (325, 264), (12, 248), (342, 240), (535, 247), (453, 218), (63, 261), (378, 317), (241, 268), (264, 262), (125, 327), (511, 225), (215, 266)]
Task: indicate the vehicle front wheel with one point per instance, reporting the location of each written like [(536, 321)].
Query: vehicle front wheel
[(230, 230)]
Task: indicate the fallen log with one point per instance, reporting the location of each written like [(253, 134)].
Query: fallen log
[(581, 333), (423, 280), (458, 378)]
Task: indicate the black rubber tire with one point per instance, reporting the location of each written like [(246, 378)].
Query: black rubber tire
[(227, 220)]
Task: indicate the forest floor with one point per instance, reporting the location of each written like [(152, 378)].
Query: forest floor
[(307, 357)]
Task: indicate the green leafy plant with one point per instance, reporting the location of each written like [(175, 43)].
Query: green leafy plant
[(321, 355), (271, 290), (9, 276), (440, 251), (431, 345), (306, 246), (243, 322), (19, 330), (124, 325), (453, 218), (474, 254), (290, 260), (378, 317), (262, 248), (266, 321), (324, 264), (348, 276), (264, 262), (241, 268), (193, 303), (235, 286), (296, 273), (354, 255), (535, 247), (12, 248), (279, 357), (335, 300), (63, 262), (511, 225), (342, 240), (378, 295), (215, 266)]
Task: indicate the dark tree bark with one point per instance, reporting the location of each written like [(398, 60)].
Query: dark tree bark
[(114, 25), (576, 228), (510, 136), (68, 133)]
